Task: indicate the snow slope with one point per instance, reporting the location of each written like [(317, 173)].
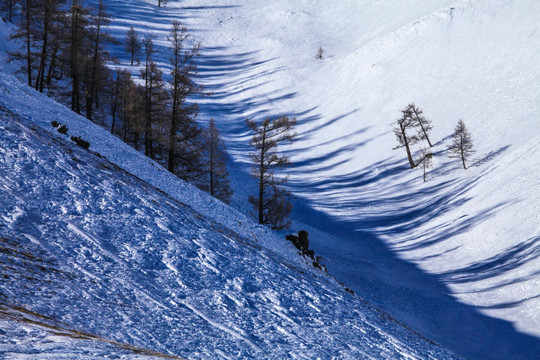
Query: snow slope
[(403, 244), (104, 254), (456, 258)]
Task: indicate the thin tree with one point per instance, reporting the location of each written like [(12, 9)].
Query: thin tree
[(116, 101), (132, 100), (78, 50), (320, 53), (423, 124), (405, 140), (27, 30), (26, 33), (155, 101), (271, 204), (215, 156), (183, 129), (99, 75), (133, 44), (8, 5), (149, 73), (425, 161), (462, 144), (46, 12)]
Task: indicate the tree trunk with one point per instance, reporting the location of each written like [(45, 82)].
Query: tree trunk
[(28, 47), (115, 101), (261, 179), (148, 125), (10, 10), (211, 155), (172, 133), (462, 150), (406, 141), (422, 127), (41, 70), (90, 93), (75, 96), (52, 64)]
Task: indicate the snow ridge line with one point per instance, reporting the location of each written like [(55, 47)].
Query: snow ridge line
[(380, 43)]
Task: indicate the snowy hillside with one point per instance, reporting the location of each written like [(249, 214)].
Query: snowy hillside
[(403, 244), (457, 258), (92, 252)]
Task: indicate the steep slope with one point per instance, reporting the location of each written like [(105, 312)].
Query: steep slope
[(401, 243), (96, 262)]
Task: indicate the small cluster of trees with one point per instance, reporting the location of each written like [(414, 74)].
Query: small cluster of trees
[(413, 127), (64, 55)]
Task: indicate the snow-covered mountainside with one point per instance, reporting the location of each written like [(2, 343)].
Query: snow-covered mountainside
[(91, 252), (456, 258), (449, 256)]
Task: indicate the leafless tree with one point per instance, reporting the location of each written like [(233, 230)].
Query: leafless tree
[(183, 129), (98, 75), (78, 54), (425, 161), (27, 34), (271, 204), (216, 181), (462, 144), (133, 44), (405, 140), (153, 94), (424, 125)]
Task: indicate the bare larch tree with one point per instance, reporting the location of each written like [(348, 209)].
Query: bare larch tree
[(405, 140), (420, 121), (425, 161), (462, 145), (271, 204), (133, 44), (215, 157), (183, 129)]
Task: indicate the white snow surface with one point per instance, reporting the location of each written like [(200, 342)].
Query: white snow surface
[(455, 258)]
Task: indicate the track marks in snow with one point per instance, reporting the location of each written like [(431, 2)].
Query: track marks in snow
[(240, 335)]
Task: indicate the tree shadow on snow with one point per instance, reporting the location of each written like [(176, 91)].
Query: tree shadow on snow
[(382, 201), (379, 200)]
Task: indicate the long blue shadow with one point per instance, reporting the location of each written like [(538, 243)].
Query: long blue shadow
[(364, 263)]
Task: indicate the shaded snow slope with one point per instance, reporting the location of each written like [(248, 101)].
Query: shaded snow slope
[(96, 262), (401, 243)]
